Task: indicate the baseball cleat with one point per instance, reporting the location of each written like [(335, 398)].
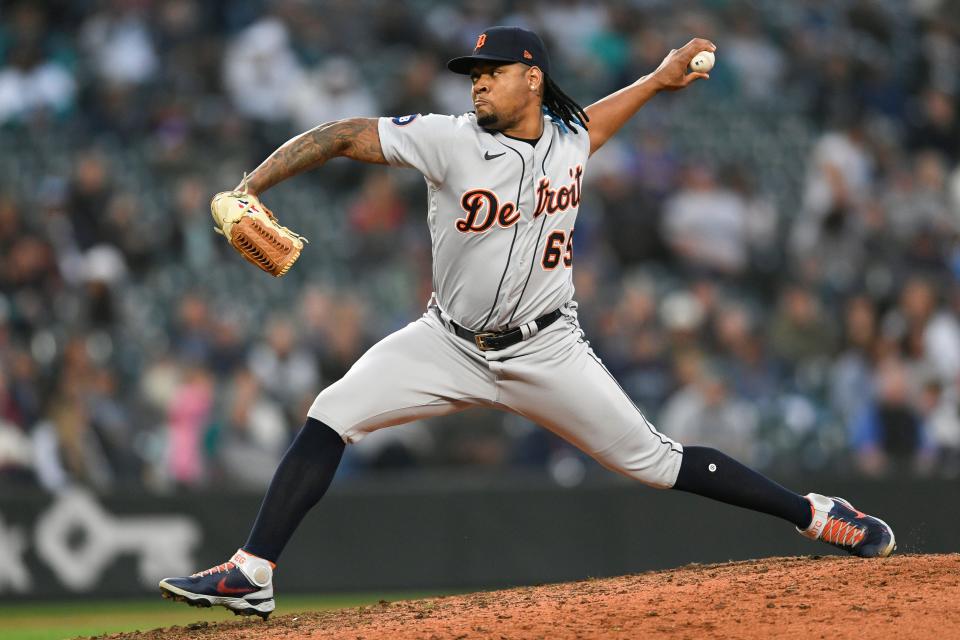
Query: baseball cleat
[(836, 522), (244, 585)]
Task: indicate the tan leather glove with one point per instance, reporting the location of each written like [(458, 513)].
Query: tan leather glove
[(253, 230)]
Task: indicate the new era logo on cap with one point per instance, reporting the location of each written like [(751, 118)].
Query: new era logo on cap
[(527, 55)]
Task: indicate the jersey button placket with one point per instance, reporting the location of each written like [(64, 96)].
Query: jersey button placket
[(515, 273), (528, 234)]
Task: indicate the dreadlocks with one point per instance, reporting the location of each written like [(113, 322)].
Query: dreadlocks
[(562, 106)]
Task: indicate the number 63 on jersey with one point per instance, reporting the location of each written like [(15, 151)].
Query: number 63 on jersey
[(559, 248)]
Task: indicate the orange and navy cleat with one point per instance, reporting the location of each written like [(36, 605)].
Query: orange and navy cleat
[(836, 522), (244, 585)]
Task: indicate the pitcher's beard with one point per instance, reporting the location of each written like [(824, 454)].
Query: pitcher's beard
[(487, 120)]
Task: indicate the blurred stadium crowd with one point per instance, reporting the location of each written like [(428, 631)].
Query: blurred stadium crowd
[(769, 262)]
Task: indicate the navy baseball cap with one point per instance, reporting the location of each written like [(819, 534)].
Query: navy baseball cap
[(505, 44)]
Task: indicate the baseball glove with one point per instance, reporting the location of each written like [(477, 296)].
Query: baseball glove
[(253, 230)]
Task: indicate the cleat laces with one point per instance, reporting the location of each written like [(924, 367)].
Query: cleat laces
[(220, 568), (840, 532)]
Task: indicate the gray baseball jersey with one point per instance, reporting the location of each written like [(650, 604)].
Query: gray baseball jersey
[(501, 214)]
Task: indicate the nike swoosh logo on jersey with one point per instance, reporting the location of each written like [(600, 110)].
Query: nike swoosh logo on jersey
[(224, 589), (487, 156)]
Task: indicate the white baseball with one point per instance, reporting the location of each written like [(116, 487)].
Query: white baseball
[(702, 62)]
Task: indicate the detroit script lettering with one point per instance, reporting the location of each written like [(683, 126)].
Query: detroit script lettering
[(483, 209)]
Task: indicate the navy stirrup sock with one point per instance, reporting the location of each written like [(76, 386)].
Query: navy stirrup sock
[(310, 463), (299, 482), (712, 474)]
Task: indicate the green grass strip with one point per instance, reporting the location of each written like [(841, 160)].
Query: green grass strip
[(69, 619)]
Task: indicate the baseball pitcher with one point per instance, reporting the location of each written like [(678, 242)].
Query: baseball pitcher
[(504, 186)]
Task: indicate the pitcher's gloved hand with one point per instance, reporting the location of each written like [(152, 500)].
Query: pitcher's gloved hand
[(253, 230)]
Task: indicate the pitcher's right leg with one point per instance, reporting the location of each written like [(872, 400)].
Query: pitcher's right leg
[(564, 386), (561, 384)]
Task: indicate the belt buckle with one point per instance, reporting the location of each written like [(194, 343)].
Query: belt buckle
[(480, 339)]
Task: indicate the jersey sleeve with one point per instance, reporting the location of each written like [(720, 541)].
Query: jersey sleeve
[(576, 134), (420, 142), (582, 138)]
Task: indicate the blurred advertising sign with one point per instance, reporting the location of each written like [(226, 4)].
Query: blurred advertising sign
[(78, 541)]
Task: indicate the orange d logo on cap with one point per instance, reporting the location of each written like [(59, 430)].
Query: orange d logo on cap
[(503, 45)]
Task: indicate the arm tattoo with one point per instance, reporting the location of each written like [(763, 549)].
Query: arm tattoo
[(356, 138)]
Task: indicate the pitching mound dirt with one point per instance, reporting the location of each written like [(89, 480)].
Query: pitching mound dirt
[(906, 596)]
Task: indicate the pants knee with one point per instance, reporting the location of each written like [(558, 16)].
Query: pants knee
[(657, 469)]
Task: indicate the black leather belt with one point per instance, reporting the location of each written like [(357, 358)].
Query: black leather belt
[(494, 341)]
